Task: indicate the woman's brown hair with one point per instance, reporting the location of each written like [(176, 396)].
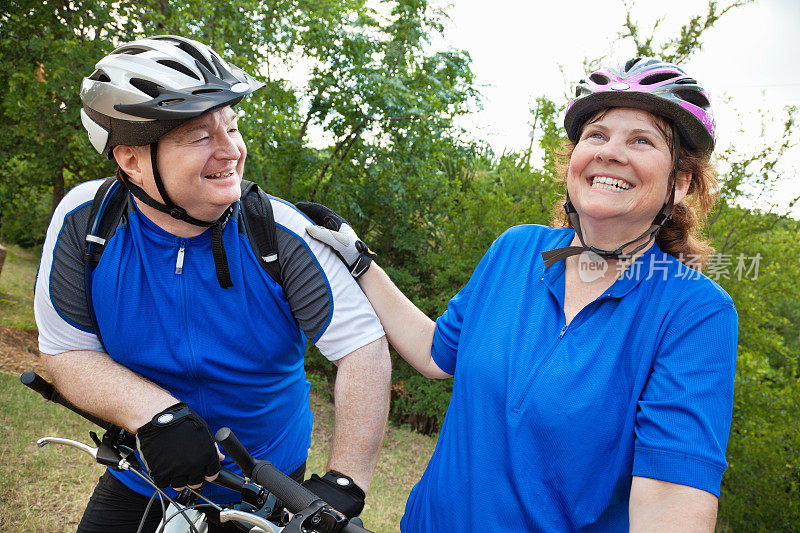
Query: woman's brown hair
[(682, 236)]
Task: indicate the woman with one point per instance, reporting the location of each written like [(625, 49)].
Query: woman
[(593, 366)]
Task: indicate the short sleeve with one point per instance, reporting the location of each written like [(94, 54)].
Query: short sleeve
[(60, 307), (327, 303), (446, 336), (684, 413)]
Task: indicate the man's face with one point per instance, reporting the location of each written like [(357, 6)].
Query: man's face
[(201, 164)]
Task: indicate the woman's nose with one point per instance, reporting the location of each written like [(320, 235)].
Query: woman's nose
[(612, 151)]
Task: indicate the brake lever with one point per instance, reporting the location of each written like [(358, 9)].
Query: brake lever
[(103, 454), (261, 525)]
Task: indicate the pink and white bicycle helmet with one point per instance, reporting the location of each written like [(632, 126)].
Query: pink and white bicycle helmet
[(649, 84)]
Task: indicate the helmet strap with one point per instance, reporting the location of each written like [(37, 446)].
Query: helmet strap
[(662, 217), (179, 213)]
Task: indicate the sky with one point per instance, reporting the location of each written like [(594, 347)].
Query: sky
[(522, 49)]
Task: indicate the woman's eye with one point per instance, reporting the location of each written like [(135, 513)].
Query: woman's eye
[(642, 140), (593, 135)]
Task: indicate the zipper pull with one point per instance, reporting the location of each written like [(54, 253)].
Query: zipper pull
[(563, 331), (179, 262)]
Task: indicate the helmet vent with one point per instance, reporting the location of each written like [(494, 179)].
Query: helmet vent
[(658, 78), (192, 51), (631, 62), (599, 79), (171, 101), (206, 91), (694, 97), (132, 51), (220, 69), (686, 81), (99, 75), (147, 87), (180, 68)]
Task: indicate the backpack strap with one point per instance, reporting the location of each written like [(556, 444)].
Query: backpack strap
[(259, 226), (107, 209)]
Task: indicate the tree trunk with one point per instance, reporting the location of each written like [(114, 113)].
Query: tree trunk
[(58, 188), (2, 257)]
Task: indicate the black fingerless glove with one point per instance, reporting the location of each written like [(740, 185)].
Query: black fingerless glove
[(339, 491), (321, 215), (177, 447)]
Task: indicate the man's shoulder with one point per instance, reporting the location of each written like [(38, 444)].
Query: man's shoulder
[(79, 196), (288, 216)]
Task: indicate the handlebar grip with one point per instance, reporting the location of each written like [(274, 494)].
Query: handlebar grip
[(36, 382), (229, 480), (235, 450), (293, 495)]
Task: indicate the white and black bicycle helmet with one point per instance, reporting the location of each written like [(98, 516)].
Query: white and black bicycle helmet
[(146, 88)]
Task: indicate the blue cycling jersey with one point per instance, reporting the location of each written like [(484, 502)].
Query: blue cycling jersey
[(548, 422), (234, 355)]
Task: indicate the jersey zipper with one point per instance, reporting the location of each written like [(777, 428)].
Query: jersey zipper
[(520, 402), (179, 261), (190, 356)]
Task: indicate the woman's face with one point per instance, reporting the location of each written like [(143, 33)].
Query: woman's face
[(619, 172)]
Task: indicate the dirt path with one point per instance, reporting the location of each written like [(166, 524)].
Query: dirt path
[(19, 351)]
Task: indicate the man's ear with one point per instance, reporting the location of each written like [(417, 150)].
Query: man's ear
[(131, 160), (682, 186)]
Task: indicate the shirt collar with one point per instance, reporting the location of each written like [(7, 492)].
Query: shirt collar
[(651, 263)]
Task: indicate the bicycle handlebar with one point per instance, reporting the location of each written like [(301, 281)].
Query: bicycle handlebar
[(296, 498), (36, 382)]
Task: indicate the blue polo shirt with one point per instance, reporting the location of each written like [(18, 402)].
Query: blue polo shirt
[(548, 422)]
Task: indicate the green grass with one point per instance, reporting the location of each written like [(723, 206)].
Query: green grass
[(16, 287), (40, 489)]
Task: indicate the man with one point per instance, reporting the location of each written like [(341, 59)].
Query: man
[(189, 333)]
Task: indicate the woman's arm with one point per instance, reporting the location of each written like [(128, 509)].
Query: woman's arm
[(658, 506), (408, 329)]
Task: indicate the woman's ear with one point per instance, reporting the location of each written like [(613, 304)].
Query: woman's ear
[(130, 160), (681, 187)]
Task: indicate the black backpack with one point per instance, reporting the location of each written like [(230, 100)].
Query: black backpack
[(108, 206)]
